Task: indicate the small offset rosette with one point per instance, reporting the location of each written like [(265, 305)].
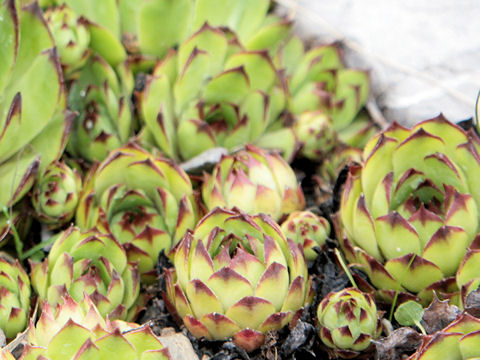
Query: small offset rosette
[(89, 263), (348, 321), (14, 298), (255, 181), (237, 276), (100, 94), (315, 132), (307, 229), (71, 35), (55, 196)]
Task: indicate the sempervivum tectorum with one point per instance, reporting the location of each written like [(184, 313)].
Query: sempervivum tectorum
[(71, 35), (77, 330), (411, 211), (213, 90), (348, 321), (146, 202), (55, 196), (315, 132), (90, 263), (307, 229), (237, 276), (255, 181), (14, 298), (317, 79), (101, 96)]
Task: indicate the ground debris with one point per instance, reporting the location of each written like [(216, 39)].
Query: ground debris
[(401, 341), (438, 315), (472, 303)]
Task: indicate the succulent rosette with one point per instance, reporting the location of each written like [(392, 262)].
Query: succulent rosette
[(89, 263), (348, 321), (14, 298), (55, 196), (101, 97), (255, 181), (307, 229), (337, 160), (100, 23), (77, 330), (411, 211), (71, 35), (35, 125), (237, 276), (459, 341), (315, 132), (146, 202), (319, 80), (214, 90)]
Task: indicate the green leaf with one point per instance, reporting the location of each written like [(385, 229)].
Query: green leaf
[(162, 24), (208, 39), (410, 313), (8, 42), (103, 12), (192, 78), (106, 44), (258, 66), (269, 37), (230, 86), (244, 17)]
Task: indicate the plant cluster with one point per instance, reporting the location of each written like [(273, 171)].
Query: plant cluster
[(103, 106)]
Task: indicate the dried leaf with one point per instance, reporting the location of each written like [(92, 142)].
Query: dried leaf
[(438, 315)]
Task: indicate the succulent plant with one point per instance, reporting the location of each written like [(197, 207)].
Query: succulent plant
[(76, 330), (315, 132), (150, 28), (458, 341), (55, 196), (101, 97), (101, 23), (340, 157), (307, 229), (319, 80), (144, 201), (14, 298), (72, 37), (468, 275), (190, 96), (163, 24), (32, 106), (254, 181), (414, 201), (348, 321), (237, 276), (88, 263)]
